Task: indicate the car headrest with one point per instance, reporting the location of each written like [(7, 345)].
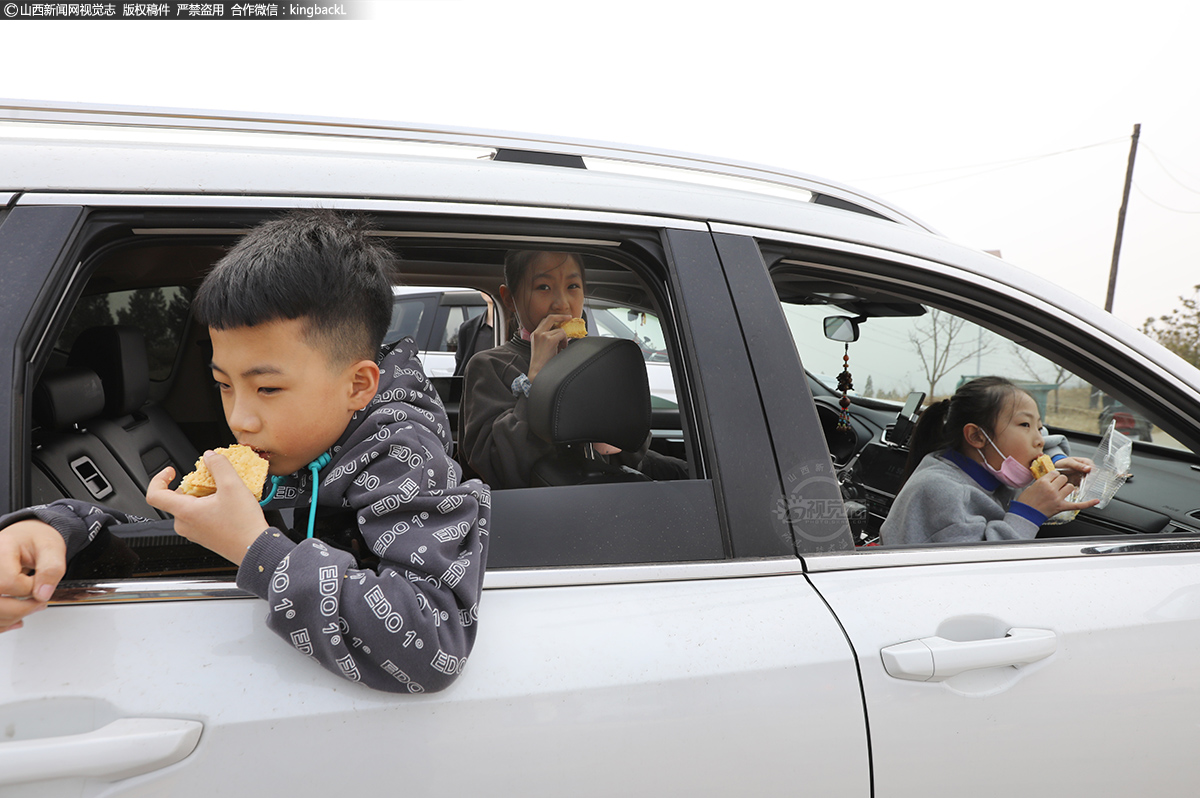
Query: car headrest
[(118, 354), (594, 391), (67, 397)]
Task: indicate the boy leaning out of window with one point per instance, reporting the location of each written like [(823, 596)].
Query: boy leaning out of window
[(297, 312)]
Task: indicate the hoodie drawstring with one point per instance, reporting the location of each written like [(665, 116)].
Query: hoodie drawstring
[(314, 467)]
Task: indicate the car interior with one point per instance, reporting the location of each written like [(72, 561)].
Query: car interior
[(879, 346), (126, 389)]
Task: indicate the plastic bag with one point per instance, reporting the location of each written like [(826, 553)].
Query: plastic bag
[(1112, 460)]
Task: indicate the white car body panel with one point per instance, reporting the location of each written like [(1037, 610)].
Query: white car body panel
[(599, 690), (1108, 713), (153, 132), (437, 364)]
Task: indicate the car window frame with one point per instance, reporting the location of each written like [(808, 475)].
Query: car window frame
[(37, 263), (895, 271), (100, 221)]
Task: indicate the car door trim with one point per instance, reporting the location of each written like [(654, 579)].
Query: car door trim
[(958, 554), (130, 591), (521, 239), (524, 212), (1145, 547)]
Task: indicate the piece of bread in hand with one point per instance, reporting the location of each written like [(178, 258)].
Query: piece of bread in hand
[(575, 328), (249, 466), (1042, 466)]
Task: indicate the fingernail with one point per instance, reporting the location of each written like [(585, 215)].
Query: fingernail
[(44, 592)]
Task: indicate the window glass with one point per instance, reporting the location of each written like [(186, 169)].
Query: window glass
[(623, 307), (905, 349), (636, 325), (446, 339), (160, 313), (406, 318), (937, 351), (643, 328)]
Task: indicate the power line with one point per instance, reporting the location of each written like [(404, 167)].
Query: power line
[(983, 168), (1166, 169), (1142, 191)]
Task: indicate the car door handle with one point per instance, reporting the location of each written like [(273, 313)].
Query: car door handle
[(932, 659), (124, 748)]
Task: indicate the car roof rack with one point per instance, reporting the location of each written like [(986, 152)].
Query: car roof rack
[(506, 146), (544, 158)]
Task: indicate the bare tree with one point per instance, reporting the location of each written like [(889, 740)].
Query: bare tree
[(940, 345), (1061, 375)]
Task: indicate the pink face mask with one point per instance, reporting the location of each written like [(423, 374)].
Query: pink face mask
[(1011, 472)]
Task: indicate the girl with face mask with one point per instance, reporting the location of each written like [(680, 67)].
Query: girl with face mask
[(969, 470)]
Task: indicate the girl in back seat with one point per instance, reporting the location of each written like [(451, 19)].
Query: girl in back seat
[(542, 291)]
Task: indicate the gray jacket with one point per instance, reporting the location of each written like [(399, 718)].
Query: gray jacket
[(951, 499)]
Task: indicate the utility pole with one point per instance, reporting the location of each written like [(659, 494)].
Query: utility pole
[(1112, 272)]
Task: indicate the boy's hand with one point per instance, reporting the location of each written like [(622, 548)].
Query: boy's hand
[(546, 341), (1075, 468), (226, 522), (33, 558)]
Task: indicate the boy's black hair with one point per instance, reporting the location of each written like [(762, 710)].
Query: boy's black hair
[(317, 265)]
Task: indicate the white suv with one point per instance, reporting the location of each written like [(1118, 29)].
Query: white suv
[(716, 635)]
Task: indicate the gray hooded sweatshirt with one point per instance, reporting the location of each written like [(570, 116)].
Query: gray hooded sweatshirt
[(407, 622)]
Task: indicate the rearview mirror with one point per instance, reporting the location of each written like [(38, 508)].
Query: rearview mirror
[(841, 328)]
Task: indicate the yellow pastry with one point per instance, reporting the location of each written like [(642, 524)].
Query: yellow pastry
[(250, 467), (1042, 466), (575, 328)]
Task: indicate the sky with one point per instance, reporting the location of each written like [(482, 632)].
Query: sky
[(1005, 127)]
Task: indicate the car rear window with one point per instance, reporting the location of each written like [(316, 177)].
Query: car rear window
[(161, 313)]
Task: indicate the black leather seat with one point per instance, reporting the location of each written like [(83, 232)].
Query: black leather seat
[(68, 460), (595, 390), (139, 433)]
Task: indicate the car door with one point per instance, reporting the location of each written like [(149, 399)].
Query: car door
[(643, 638), (1057, 666)]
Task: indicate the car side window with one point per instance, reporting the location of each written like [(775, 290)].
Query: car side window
[(912, 350), (936, 352), (78, 456), (408, 315), (446, 338), (643, 328), (161, 313)]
